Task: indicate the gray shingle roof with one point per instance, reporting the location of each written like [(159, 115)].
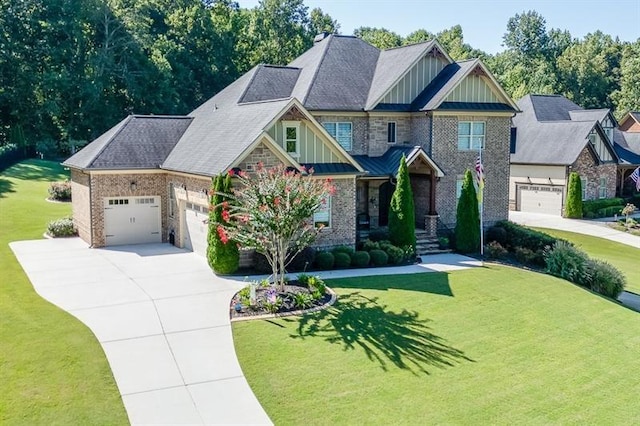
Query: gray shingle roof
[(550, 107), (270, 82), (588, 114), (392, 64), (137, 142)]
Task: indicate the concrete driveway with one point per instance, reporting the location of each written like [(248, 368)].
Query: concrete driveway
[(587, 227), (162, 318)]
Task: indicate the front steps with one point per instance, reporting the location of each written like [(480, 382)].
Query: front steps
[(426, 244)]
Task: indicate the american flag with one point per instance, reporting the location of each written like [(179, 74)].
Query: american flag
[(635, 176), (479, 177)]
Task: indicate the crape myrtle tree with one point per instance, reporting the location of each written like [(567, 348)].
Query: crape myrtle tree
[(573, 208), (223, 255), (271, 211), (468, 217), (402, 227)]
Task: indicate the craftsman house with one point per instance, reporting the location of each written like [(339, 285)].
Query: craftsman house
[(552, 138), (344, 107)]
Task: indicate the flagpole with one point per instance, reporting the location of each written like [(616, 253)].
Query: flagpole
[(481, 188)]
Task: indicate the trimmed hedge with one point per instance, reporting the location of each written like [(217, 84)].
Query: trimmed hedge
[(361, 259), (520, 236), (591, 207), (325, 260), (341, 260), (61, 228), (379, 257)]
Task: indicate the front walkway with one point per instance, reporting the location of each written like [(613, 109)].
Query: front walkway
[(162, 318)]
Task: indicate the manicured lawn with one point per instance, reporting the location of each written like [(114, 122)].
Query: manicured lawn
[(52, 369), (492, 345), (624, 257)]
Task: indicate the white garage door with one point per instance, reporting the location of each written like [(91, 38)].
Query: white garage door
[(132, 220), (541, 199), (196, 228)]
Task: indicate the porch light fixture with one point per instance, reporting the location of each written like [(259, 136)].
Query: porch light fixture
[(550, 182), (529, 180), (133, 185)]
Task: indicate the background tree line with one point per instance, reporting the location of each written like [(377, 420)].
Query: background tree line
[(70, 69)]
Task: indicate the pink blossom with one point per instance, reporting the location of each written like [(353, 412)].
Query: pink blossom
[(223, 235), (225, 215), (277, 201), (231, 172)]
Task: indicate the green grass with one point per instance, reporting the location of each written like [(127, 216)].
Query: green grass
[(52, 369), (492, 345), (622, 256)]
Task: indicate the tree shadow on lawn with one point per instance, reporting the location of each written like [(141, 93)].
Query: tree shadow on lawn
[(426, 282), (35, 170), (6, 186), (402, 339)]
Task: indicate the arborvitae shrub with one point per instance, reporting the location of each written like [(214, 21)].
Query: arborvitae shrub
[(468, 218), (402, 223), (573, 206)]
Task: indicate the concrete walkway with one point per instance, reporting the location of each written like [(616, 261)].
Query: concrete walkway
[(162, 318)]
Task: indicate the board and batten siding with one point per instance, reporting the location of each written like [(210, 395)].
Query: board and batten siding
[(600, 148), (414, 82), (473, 89), (313, 147)]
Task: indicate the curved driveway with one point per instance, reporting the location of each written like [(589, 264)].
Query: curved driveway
[(162, 318)]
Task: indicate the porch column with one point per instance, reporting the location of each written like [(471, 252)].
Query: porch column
[(432, 197)]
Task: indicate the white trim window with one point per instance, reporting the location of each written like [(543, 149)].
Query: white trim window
[(291, 132), (471, 135), (602, 189), (322, 216), (584, 181), (341, 131), (391, 132)]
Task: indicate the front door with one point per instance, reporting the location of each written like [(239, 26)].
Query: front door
[(384, 198)]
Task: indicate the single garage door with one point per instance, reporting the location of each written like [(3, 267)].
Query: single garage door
[(132, 220), (196, 228), (545, 199)]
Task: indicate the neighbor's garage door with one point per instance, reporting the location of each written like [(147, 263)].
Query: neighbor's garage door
[(541, 199), (196, 228), (132, 220)]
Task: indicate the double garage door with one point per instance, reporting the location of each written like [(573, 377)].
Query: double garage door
[(196, 228), (545, 199), (132, 220)]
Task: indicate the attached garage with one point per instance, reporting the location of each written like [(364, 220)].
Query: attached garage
[(196, 228), (132, 220), (545, 199)]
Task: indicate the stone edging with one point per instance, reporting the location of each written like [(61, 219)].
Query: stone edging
[(331, 301)]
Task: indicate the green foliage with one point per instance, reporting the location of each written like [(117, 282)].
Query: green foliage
[(396, 255), (61, 228), (303, 300), (222, 254), (402, 223), (382, 38), (60, 191), (573, 206), (496, 233), (609, 211), (361, 259), (368, 245), (303, 279), (317, 285), (325, 260), (379, 235), (605, 278), (443, 243), (529, 257), (565, 261), (591, 207), (627, 96), (302, 261), (494, 250), (521, 236), (468, 218), (341, 260), (378, 257), (343, 249)]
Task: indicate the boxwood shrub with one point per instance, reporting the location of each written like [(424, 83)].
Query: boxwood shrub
[(361, 259), (60, 191), (61, 228), (520, 236), (378, 257), (325, 260), (341, 260)]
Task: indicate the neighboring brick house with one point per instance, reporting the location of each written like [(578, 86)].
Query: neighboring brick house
[(626, 142), (553, 137), (344, 107)]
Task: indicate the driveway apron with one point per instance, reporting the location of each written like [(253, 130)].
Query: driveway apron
[(162, 318)]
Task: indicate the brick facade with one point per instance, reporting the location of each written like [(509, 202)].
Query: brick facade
[(587, 167), (81, 204), (260, 154), (359, 130), (343, 216), (455, 162)]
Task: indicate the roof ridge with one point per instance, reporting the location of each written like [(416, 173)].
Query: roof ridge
[(264, 101), (408, 45), (170, 116), (246, 87), (108, 141), (329, 39)]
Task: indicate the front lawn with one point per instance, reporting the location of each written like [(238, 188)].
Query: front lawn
[(492, 345), (52, 369), (622, 256)]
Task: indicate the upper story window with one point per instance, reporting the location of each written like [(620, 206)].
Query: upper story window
[(471, 135), (602, 190), (391, 132), (341, 132), (292, 137), (584, 182), (607, 125)]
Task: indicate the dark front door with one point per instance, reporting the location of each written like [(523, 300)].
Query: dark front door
[(384, 198)]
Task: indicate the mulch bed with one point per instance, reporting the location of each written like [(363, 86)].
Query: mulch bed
[(288, 305)]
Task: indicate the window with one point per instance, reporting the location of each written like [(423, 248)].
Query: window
[(341, 132), (292, 137), (607, 125), (391, 132), (172, 200), (459, 183), (584, 183), (602, 190), (322, 216), (470, 135)]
